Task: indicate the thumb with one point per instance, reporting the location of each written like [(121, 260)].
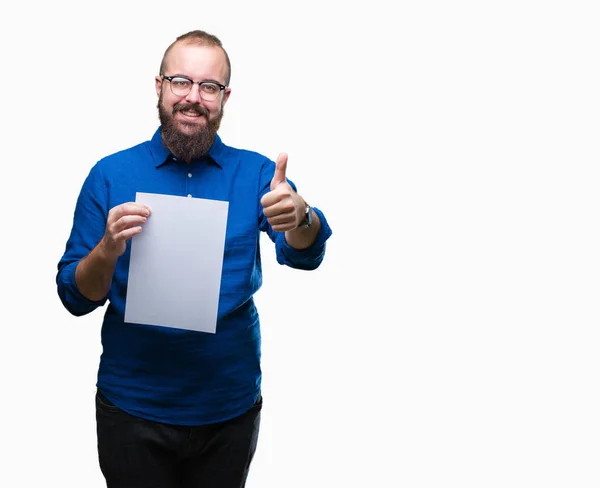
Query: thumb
[(280, 167)]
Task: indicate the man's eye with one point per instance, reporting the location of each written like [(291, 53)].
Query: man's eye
[(210, 88), (180, 83)]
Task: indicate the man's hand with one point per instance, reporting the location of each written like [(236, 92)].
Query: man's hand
[(124, 221), (94, 273), (282, 206)]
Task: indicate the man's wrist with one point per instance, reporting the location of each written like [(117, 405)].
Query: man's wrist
[(307, 219)]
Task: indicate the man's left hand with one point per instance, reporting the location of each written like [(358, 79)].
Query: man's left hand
[(282, 206)]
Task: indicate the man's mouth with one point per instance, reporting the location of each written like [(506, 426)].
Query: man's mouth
[(193, 112)]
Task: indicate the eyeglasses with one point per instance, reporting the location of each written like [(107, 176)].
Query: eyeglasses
[(182, 85)]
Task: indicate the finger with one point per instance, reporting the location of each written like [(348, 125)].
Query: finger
[(129, 233), (135, 208), (127, 222), (271, 198), (129, 208), (284, 206), (139, 209), (280, 167), (283, 227), (283, 218)]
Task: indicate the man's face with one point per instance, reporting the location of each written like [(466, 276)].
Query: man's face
[(189, 123)]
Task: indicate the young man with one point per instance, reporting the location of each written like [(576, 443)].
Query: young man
[(177, 407)]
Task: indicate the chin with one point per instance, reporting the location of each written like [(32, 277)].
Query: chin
[(190, 128)]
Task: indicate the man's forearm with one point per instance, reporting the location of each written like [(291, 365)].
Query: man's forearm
[(94, 274)]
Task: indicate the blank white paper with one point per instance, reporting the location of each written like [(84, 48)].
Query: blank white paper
[(176, 263)]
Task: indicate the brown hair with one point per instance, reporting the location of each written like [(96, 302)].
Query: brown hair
[(200, 38)]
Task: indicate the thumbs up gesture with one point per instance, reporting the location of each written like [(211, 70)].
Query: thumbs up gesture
[(282, 206)]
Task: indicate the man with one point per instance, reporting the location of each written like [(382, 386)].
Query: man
[(181, 408)]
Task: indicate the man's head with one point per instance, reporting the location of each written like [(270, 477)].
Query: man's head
[(190, 114)]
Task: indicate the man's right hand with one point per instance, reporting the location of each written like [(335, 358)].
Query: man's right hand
[(94, 273), (124, 221)]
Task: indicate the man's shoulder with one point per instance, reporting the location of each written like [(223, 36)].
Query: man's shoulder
[(243, 155), (142, 148), (133, 154)]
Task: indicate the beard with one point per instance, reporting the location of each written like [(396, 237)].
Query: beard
[(183, 145)]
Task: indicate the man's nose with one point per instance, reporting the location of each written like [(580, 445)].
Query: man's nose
[(194, 95)]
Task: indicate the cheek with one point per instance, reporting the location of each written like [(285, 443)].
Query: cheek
[(215, 109), (167, 101)]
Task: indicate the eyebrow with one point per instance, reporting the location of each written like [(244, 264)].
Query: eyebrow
[(209, 80)]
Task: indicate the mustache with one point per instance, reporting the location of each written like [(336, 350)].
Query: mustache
[(178, 107)]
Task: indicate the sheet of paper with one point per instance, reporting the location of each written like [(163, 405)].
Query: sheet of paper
[(176, 263)]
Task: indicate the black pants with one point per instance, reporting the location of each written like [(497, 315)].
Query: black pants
[(138, 453)]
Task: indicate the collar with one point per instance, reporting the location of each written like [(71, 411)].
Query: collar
[(161, 154)]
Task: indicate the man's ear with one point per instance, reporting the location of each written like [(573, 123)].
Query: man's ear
[(226, 94), (158, 83)]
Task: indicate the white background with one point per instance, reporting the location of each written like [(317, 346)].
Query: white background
[(450, 337)]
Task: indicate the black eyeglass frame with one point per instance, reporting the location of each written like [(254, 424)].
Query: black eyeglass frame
[(199, 83)]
